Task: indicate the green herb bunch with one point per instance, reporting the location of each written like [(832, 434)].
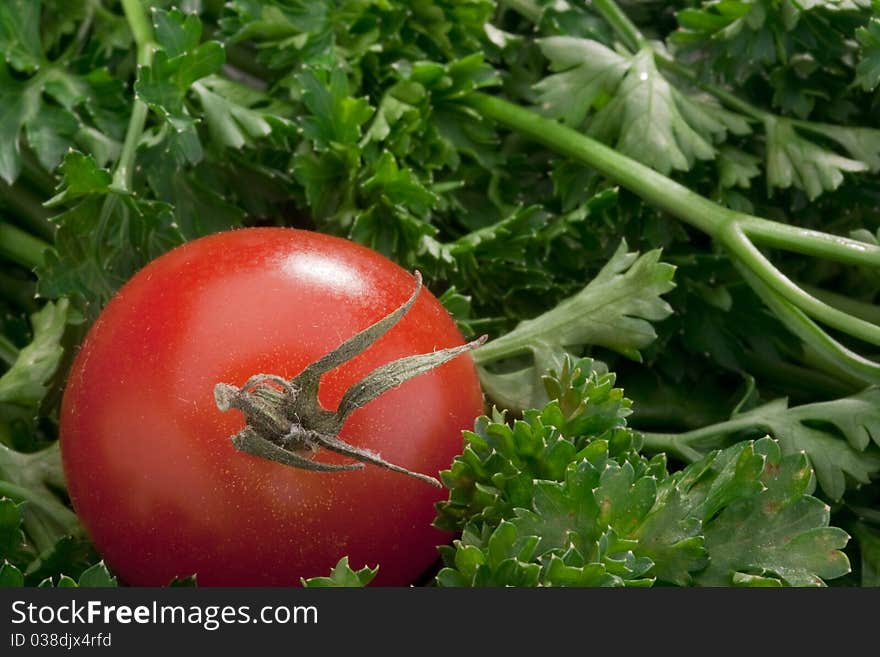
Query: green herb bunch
[(683, 193)]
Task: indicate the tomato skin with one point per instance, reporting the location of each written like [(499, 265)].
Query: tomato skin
[(147, 455)]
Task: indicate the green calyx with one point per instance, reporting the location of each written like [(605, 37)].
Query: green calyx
[(286, 423)]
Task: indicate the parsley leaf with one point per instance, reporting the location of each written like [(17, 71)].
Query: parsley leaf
[(380, 122), (792, 159), (557, 503), (342, 575), (20, 34), (642, 114), (837, 437), (91, 260), (26, 382), (614, 310), (868, 69), (584, 71), (744, 36)]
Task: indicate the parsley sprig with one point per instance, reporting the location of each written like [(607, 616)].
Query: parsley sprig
[(502, 149)]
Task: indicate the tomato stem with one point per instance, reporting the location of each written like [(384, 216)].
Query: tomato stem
[(286, 423)]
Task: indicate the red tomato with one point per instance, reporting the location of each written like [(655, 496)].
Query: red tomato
[(149, 463)]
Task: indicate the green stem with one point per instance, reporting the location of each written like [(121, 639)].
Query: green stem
[(796, 378), (810, 242), (142, 31), (508, 345), (830, 355), (124, 173), (122, 177), (653, 187), (21, 247), (669, 195), (750, 256), (665, 193), (139, 24), (625, 29), (693, 445), (733, 101), (670, 443), (727, 227), (862, 309)]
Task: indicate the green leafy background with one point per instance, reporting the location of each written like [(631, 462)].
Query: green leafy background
[(352, 117)]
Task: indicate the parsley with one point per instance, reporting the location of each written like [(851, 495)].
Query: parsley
[(342, 575), (868, 68), (837, 436), (685, 193), (563, 497)]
